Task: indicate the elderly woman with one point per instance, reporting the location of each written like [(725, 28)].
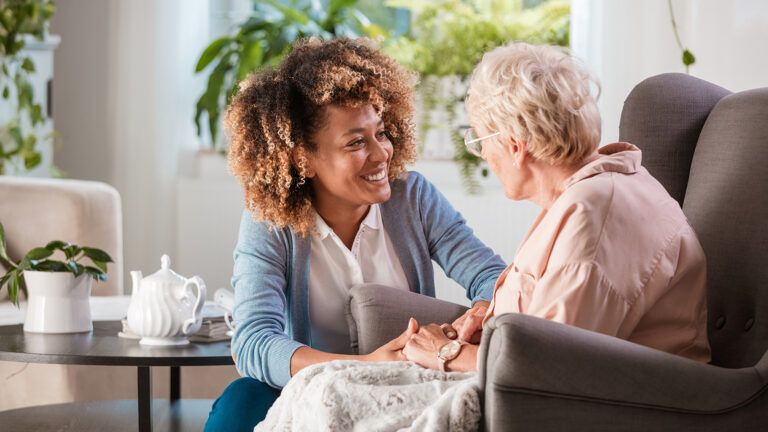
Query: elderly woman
[(610, 251), (320, 145)]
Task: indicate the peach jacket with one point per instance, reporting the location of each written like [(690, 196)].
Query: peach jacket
[(614, 254)]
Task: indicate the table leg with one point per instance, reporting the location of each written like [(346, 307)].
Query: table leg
[(175, 383), (145, 398)]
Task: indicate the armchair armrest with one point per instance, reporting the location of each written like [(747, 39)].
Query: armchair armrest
[(377, 314), (541, 359)]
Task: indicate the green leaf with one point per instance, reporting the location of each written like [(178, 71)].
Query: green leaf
[(32, 160), (209, 101), (3, 251), (688, 58), (6, 92), (28, 65), (96, 274), (101, 265), (5, 278), (71, 251), (251, 57), (38, 253), (13, 287), (50, 266), (57, 244), (97, 255), (211, 52)]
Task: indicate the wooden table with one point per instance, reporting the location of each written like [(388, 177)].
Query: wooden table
[(103, 347)]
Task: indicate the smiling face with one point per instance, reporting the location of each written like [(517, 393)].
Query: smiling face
[(349, 167)]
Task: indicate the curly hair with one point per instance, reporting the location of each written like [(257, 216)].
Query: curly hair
[(276, 112)]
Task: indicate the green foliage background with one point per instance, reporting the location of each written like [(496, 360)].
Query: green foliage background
[(20, 19), (448, 38)]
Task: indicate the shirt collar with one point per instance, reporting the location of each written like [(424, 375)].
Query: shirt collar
[(372, 220), (620, 157)]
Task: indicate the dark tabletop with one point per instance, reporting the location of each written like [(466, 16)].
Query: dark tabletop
[(102, 346)]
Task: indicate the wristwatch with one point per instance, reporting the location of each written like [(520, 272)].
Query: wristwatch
[(448, 352)]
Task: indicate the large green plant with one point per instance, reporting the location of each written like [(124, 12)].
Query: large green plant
[(19, 20), (39, 259), (449, 37), (262, 40)]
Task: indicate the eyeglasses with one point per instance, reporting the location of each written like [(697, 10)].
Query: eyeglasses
[(474, 143)]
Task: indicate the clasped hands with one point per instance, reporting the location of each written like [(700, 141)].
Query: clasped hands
[(420, 344)]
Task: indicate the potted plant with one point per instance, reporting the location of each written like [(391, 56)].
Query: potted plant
[(449, 37), (20, 21), (261, 41), (57, 291)]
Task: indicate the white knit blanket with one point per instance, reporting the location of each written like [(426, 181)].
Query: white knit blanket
[(393, 396)]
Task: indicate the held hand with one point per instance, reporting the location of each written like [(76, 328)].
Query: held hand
[(423, 346), (469, 326), (393, 350)]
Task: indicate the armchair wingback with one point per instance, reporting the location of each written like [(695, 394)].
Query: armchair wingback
[(709, 148)]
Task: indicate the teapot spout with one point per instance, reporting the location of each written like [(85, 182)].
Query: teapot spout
[(136, 278)]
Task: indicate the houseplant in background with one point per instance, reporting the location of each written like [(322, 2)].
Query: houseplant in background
[(448, 38), (261, 41), (20, 20), (58, 291)]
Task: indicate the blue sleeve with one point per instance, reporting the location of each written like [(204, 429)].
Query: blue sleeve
[(261, 347), (453, 245)]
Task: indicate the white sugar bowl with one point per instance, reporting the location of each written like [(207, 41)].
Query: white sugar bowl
[(165, 307)]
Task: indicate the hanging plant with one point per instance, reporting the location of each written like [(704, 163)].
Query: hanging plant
[(449, 37), (687, 56), (20, 20)]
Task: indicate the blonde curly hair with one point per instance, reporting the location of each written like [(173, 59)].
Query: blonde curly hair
[(274, 115), (540, 95)]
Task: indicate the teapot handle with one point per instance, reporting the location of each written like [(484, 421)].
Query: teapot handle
[(197, 312)]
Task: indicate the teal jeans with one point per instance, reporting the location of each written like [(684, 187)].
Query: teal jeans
[(241, 407)]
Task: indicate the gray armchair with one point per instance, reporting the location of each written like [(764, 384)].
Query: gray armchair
[(710, 149)]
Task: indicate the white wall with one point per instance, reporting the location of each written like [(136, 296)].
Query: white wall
[(124, 97), (626, 41)]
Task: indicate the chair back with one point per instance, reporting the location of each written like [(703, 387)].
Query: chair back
[(709, 148), (35, 211)]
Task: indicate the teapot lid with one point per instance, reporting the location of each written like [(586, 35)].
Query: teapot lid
[(165, 275)]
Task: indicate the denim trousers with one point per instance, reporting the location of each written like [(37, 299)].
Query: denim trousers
[(242, 406)]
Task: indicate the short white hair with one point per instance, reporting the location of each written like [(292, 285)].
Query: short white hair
[(540, 95)]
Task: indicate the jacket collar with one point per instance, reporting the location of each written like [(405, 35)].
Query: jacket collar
[(620, 157)]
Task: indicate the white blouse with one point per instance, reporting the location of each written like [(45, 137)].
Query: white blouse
[(334, 269)]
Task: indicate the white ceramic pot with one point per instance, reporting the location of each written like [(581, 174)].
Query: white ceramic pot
[(58, 302)]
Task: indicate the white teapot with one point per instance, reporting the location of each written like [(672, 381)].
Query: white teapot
[(164, 310)]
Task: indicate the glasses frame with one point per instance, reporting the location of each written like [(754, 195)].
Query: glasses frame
[(472, 147)]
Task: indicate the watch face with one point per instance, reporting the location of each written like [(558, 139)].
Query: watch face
[(449, 350)]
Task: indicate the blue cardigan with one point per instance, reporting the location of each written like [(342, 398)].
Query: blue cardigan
[(271, 271)]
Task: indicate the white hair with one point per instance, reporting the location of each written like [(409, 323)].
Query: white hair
[(540, 95)]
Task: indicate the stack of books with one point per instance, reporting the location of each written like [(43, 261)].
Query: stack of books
[(213, 329)]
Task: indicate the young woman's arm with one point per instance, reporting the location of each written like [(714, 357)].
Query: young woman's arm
[(391, 351)]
